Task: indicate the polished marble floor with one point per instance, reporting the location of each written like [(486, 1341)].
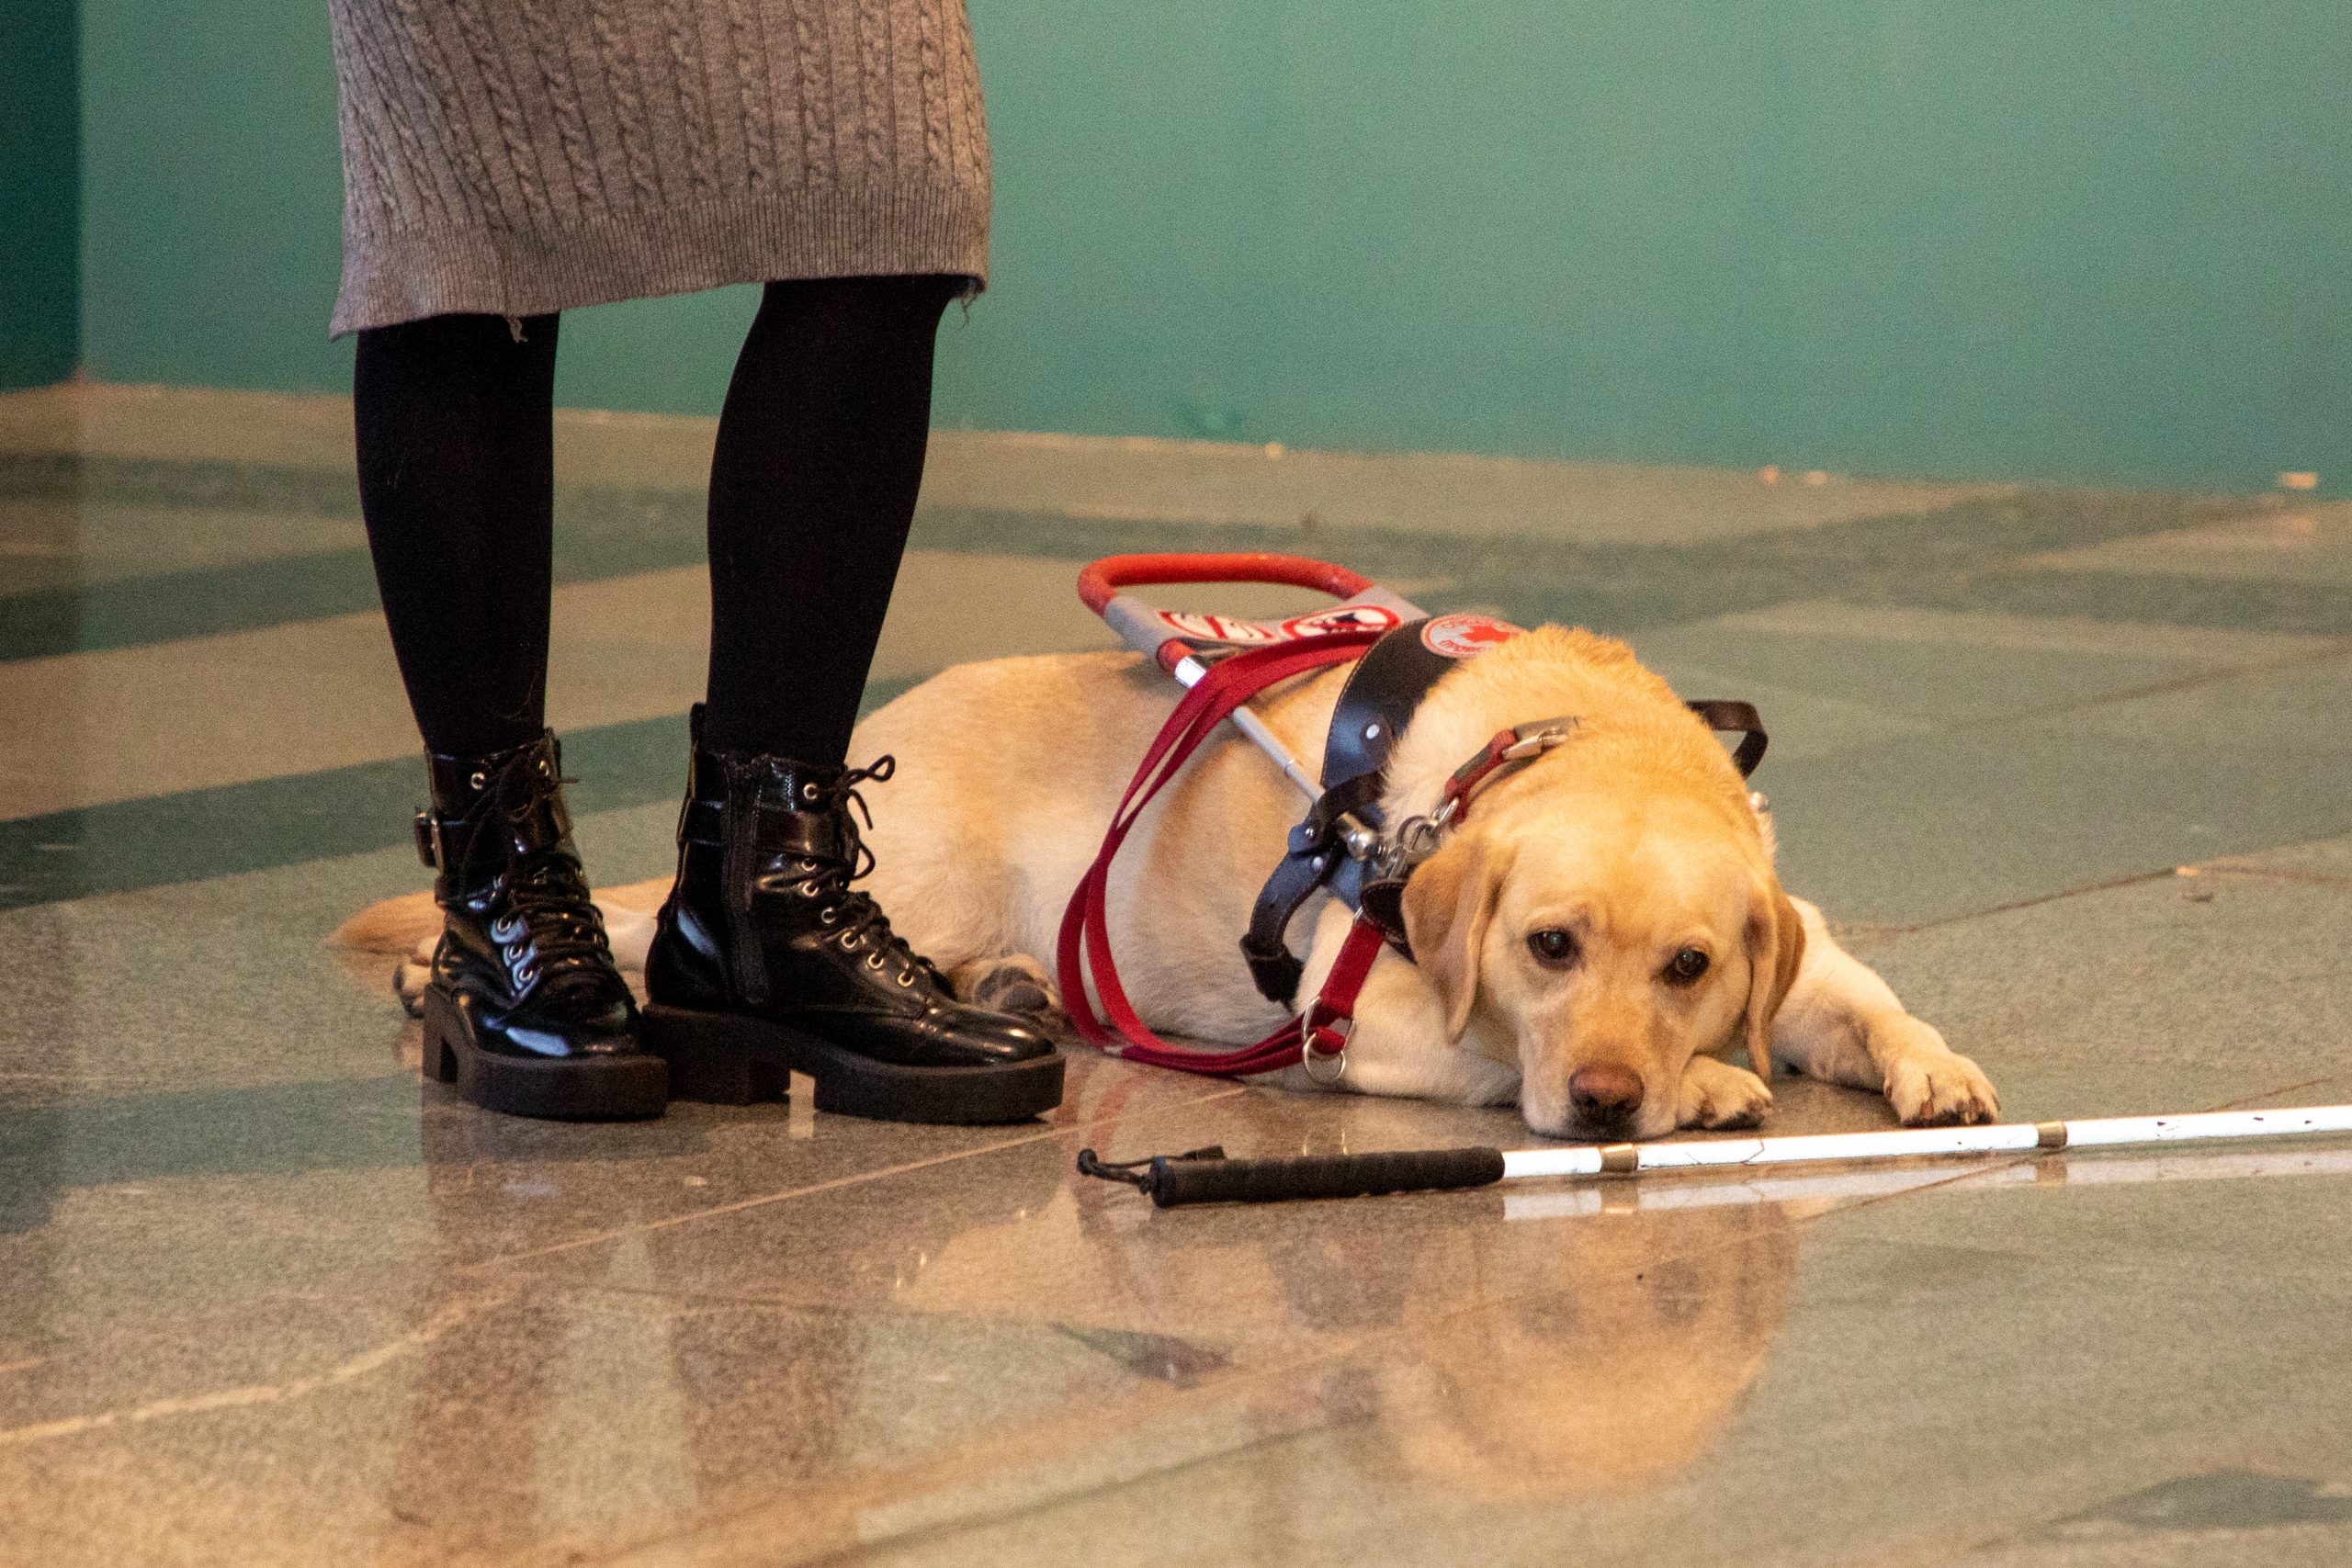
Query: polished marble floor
[(2068, 767)]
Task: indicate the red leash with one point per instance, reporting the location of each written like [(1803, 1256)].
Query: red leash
[(1321, 1032)]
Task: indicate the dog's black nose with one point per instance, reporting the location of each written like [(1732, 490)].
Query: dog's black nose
[(1605, 1095)]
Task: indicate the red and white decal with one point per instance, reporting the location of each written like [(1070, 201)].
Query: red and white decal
[(1459, 636), (1199, 627), (1218, 628), (1342, 618)]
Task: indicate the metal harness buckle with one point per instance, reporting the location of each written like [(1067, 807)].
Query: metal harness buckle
[(1308, 1055), (1552, 734)]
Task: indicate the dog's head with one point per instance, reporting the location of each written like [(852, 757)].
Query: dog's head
[(1611, 924)]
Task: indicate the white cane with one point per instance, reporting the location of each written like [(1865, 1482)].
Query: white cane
[(1206, 1176)]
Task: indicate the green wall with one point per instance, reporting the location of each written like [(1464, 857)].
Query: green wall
[(2062, 239), (39, 193)]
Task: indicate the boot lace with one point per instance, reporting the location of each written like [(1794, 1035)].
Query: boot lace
[(855, 919), (551, 922)]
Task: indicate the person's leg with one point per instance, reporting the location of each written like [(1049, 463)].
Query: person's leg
[(525, 1011), (812, 486), (455, 422), (766, 960)]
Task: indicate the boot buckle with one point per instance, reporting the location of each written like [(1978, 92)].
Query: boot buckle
[(428, 840)]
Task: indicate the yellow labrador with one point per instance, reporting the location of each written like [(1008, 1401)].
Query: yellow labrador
[(1596, 941), (1600, 936)]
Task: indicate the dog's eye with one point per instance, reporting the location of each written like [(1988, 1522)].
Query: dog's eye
[(1553, 946), (1685, 966)]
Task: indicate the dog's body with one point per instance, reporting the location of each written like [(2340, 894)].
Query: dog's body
[(1551, 934), (1008, 771)]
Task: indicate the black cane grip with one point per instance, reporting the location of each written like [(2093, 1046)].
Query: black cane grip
[(1179, 1180)]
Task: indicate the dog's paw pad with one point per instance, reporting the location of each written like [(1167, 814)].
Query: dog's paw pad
[(1017, 986), (408, 985), (1020, 997), (1715, 1095), (1941, 1090)]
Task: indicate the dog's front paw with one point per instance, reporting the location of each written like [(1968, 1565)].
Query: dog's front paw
[(1017, 985), (1715, 1094), (409, 977), (1930, 1085)]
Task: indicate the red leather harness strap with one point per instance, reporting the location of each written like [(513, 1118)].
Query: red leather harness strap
[(1084, 950), (1320, 1031)]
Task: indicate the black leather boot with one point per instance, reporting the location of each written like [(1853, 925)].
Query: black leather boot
[(766, 961), (525, 1011)]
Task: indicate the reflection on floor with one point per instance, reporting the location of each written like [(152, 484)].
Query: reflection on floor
[(2063, 764)]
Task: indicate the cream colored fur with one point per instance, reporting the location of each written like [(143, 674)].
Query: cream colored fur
[(1638, 829), (1008, 771)]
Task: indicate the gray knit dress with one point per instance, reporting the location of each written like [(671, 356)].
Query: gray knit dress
[(518, 156)]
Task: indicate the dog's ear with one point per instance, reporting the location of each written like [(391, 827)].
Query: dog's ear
[(1775, 949), (1447, 905)]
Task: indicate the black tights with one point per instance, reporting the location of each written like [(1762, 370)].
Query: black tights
[(812, 486)]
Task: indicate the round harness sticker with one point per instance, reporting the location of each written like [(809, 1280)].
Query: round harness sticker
[(1459, 636), (1344, 618)]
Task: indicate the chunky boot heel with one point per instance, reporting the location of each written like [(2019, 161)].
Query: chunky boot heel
[(717, 1058), (767, 958), (849, 1084), (525, 1012), (621, 1087), (441, 1037)]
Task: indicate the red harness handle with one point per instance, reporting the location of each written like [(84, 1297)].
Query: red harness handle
[(1084, 950), (1162, 637), (1104, 577)]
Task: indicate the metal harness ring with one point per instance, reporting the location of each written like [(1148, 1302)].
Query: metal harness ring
[(1308, 1055)]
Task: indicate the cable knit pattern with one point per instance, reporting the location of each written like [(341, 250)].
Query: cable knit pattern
[(746, 36), (552, 60), (627, 104), (811, 85), (491, 69), (693, 96), (519, 156)]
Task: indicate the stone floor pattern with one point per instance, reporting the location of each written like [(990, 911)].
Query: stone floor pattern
[(2069, 767)]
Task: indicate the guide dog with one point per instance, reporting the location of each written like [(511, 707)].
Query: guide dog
[(1596, 940)]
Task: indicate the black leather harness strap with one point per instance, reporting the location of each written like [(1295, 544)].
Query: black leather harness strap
[(1728, 717), (1315, 857), (1378, 701), (1383, 692), (1386, 685)]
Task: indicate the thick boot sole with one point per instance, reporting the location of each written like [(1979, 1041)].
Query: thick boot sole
[(591, 1088), (730, 1059)]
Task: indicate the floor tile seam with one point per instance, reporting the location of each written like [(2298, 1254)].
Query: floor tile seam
[(2318, 613), (2260, 1095), (347, 1370), (944, 1531), (1483, 1303), (704, 1299), (2287, 874), (1868, 930), (2058, 896), (833, 1184), (330, 484), (200, 604), (1147, 1399), (1026, 1446), (1040, 1439), (389, 833), (2336, 646)]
